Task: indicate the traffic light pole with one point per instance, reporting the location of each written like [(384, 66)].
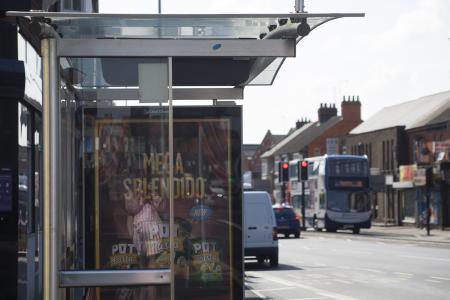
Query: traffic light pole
[(303, 206), (428, 212)]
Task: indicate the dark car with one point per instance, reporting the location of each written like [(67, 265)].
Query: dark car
[(288, 221)]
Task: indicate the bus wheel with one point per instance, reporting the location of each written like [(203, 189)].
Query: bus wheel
[(356, 230), (331, 229), (260, 260)]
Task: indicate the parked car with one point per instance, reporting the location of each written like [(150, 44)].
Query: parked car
[(260, 233), (288, 221)]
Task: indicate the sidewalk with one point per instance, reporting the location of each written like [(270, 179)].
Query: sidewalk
[(408, 233)]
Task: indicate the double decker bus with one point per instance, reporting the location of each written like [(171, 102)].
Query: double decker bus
[(337, 192)]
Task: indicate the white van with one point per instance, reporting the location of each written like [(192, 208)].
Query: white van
[(260, 232)]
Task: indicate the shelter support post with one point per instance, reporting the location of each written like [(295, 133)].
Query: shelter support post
[(51, 116)]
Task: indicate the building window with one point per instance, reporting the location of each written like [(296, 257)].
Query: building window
[(72, 5), (264, 169), (392, 155), (388, 154), (384, 156)]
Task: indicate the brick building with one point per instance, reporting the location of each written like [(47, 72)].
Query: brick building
[(251, 160), (386, 149), (403, 135), (350, 118), (313, 138), (429, 146)]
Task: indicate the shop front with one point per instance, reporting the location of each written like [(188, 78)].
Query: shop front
[(413, 192)]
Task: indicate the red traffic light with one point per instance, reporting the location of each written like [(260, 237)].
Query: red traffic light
[(285, 166), (303, 171)]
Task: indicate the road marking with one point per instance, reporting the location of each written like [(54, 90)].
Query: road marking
[(371, 270), (435, 281), (339, 275), (349, 240), (318, 291), (404, 274), (258, 294), (320, 265), (307, 298), (343, 267), (352, 251), (361, 281), (317, 276), (342, 281), (403, 278), (274, 289), (440, 278), (310, 288), (425, 258)]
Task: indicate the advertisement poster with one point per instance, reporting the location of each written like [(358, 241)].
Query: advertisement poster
[(132, 203)]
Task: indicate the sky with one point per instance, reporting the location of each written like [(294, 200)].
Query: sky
[(399, 51)]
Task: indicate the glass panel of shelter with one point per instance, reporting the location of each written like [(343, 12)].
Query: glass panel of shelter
[(115, 154), (116, 213)]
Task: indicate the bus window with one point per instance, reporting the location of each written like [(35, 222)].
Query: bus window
[(321, 167), (322, 200), (345, 201), (297, 201), (359, 202), (293, 171)]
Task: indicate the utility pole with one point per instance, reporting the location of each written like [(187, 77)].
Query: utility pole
[(429, 184), (159, 6)]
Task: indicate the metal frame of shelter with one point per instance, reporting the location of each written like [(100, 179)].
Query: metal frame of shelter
[(266, 50)]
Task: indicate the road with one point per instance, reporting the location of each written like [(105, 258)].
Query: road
[(343, 266)]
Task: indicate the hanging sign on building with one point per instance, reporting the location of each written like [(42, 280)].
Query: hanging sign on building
[(407, 172), (443, 146), (420, 177)]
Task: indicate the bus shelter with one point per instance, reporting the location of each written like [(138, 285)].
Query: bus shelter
[(142, 188)]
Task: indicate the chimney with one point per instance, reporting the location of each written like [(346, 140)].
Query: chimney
[(326, 112), (351, 109), (301, 122)]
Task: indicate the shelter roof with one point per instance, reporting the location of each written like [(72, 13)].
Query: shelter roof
[(230, 70), (420, 112)]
